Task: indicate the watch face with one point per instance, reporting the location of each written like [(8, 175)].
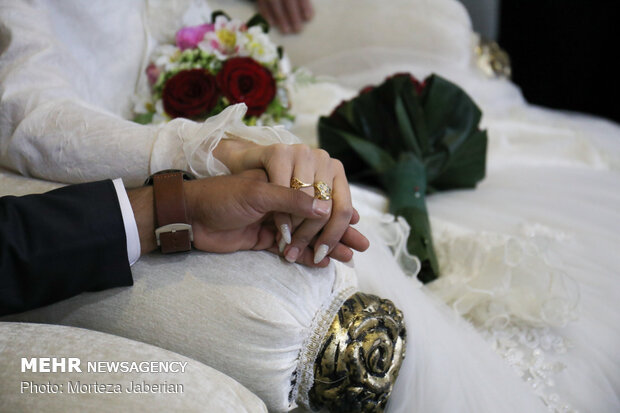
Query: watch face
[(187, 176)]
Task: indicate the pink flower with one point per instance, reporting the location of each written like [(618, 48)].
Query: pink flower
[(189, 37), (152, 73)]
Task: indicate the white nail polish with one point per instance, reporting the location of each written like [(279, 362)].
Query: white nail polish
[(320, 253), (281, 245), (286, 233)]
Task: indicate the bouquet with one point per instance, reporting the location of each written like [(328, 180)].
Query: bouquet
[(215, 65), (409, 138)]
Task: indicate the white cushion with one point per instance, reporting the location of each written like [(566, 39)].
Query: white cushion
[(200, 388), (249, 314)]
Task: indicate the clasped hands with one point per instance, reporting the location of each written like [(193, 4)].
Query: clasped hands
[(255, 208)]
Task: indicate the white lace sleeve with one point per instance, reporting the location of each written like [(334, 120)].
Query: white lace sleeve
[(65, 82)]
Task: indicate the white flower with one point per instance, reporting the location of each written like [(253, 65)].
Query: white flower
[(140, 102), (222, 42), (160, 116), (164, 56), (284, 65), (282, 94), (256, 44)]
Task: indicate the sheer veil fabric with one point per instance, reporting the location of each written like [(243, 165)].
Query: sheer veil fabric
[(537, 288)]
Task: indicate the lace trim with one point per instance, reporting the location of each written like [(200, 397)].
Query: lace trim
[(305, 364), (488, 276), (528, 350), (512, 289)]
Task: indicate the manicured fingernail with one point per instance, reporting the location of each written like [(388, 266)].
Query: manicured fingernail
[(292, 254), (281, 245), (286, 233), (285, 29), (321, 207), (320, 253)]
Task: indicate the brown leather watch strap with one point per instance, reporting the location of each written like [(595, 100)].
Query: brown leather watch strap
[(174, 234)]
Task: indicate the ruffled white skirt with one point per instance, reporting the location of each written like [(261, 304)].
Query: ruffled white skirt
[(529, 257)]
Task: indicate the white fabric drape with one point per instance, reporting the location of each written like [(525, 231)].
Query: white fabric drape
[(67, 77)]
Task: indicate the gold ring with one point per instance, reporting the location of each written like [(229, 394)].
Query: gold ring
[(322, 191), (297, 184)]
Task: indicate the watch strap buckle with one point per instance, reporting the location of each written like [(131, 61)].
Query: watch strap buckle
[(178, 237), (174, 228)]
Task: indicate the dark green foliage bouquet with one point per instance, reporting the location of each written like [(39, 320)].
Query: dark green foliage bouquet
[(409, 139)]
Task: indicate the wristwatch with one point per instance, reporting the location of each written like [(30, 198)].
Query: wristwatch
[(174, 232)]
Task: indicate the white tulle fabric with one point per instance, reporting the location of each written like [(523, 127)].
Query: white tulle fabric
[(493, 277), (510, 288), (528, 258)]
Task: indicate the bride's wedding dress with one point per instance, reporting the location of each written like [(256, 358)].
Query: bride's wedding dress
[(529, 258)]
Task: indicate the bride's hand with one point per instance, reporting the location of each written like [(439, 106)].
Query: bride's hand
[(331, 235), (286, 15)]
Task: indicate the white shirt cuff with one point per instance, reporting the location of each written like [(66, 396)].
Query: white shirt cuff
[(131, 228)]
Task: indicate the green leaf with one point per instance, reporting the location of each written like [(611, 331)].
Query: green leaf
[(217, 13), (258, 20), (376, 158), (407, 128), (406, 104), (144, 118), (330, 138), (450, 114), (467, 165)]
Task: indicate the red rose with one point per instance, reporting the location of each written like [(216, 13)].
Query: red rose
[(367, 89), (419, 86), (190, 94), (242, 79)]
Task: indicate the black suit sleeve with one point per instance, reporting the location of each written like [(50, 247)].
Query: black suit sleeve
[(59, 244)]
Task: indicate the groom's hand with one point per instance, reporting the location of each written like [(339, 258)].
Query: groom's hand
[(233, 213)]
